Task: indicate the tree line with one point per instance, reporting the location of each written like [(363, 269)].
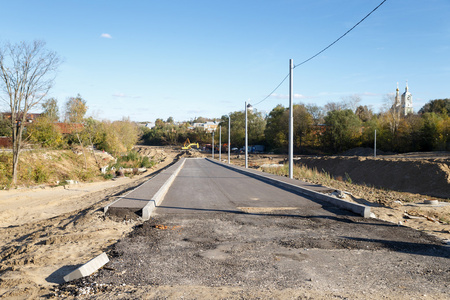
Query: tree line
[(331, 129)]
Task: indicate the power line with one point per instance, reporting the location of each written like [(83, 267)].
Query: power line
[(321, 51), (270, 94), (324, 49)]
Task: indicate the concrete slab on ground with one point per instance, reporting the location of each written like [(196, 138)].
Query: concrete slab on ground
[(88, 268)]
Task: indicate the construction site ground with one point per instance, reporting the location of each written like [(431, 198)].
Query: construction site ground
[(46, 231)]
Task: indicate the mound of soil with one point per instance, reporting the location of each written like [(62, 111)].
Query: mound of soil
[(426, 176), (360, 151)]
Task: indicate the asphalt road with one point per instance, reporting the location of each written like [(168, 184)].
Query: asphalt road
[(202, 186), (219, 229)]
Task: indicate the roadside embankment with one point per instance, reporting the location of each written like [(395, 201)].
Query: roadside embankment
[(422, 176)]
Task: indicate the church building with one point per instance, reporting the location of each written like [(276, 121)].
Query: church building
[(403, 103)]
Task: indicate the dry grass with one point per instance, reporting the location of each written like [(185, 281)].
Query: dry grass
[(303, 173), (50, 167)]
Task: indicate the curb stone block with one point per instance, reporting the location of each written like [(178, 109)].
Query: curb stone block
[(88, 268)]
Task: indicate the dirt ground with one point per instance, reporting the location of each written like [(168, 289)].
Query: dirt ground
[(44, 232)]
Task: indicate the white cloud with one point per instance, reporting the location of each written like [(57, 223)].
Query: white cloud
[(106, 36)]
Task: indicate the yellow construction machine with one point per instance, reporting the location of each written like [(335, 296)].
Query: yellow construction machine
[(188, 145)]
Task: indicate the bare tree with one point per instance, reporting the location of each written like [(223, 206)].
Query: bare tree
[(332, 106), (27, 72), (351, 102), (317, 112), (51, 110)]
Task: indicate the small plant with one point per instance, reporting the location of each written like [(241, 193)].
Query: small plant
[(108, 176), (40, 174), (146, 162), (133, 160), (347, 178)]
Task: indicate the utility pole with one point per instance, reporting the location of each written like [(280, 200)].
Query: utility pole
[(246, 137), (291, 119), (375, 145), (229, 144), (247, 106), (212, 150), (220, 143)]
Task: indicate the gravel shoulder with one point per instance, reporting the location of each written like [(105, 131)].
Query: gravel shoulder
[(282, 254)]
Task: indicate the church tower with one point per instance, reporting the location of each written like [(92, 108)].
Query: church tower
[(406, 101), (397, 100)]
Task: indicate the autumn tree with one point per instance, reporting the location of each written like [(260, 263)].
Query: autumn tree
[(51, 110), (75, 109), (343, 130), (44, 132), (303, 122), (115, 137), (438, 106), (364, 113), (27, 72), (276, 131), (430, 131), (277, 127)]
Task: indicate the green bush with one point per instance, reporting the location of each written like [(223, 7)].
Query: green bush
[(146, 162), (40, 174), (5, 170), (133, 160), (108, 176)]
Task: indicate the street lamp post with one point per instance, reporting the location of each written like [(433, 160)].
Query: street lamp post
[(247, 106), (220, 143), (291, 119), (375, 145), (229, 144)]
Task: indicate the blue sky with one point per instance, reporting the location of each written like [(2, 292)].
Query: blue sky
[(154, 59)]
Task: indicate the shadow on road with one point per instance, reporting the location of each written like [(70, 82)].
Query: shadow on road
[(408, 247)]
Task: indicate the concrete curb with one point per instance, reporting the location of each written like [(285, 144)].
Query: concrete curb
[(88, 268), (105, 209), (159, 196), (359, 209)]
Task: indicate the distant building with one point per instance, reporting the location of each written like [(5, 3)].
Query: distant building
[(69, 128), (210, 126), (207, 126), (30, 117), (150, 125), (403, 103)]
